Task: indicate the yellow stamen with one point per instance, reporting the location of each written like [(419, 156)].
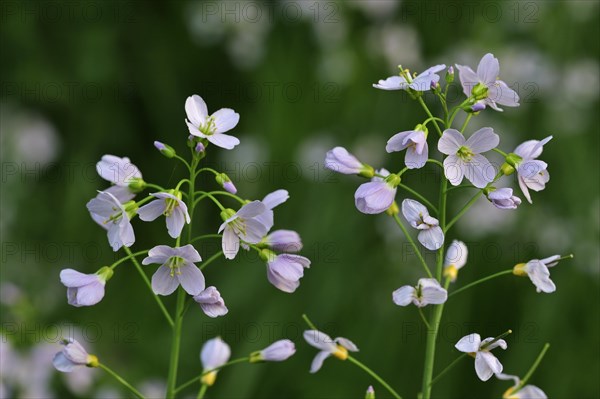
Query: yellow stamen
[(341, 353), (451, 272), (209, 379)]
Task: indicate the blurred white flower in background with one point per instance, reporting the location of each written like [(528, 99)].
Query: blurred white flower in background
[(398, 44), (153, 389), (483, 219), (311, 153)]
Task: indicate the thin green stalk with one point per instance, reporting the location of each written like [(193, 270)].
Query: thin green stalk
[(175, 344), (121, 380), (465, 123), (209, 195), (499, 151), (155, 186), (197, 378), (424, 319), (436, 162), (133, 255), (149, 284), (533, 367), (184, 162), (482, 280), (414, 246), (429, 115), (448, 368), (419, 196), (377, 377), (211, 259), (202, 237), (202, 391), (310, 323), (463, 210)]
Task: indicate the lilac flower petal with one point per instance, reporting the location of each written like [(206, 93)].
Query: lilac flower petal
[(432, 292), (254, 232), (398, 141), (196, 110), (121, 193), (126, 233), (189, 253), (225, 119), (531, 392), (469, 343), (501, 94), (89, 295), (191, 279), (551, 260), (524, 189), (152, 211), (278, 351), (340, 160), (230, 243), (215, 353), (468, 78), (486, 365), (540, 276), (73, 278), (450, 141), (404, 295), (530, 168), (413, 210), (211, 302), (432, 238), (346, 343), (284, 241), (251, 210), (319, 340), (414, 160), (488, 69), (479, 171), (275, 198), (392, 83), (75, 352), (483, 140), (454, 169), (496, 344), (117, 170), (223, 140), (162, 281), (175, 222), (61, 363), (114, 237), (317, 362), (159, 254), (374, 197), (193, 129)]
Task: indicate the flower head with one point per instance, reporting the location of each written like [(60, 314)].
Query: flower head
[(405, 81), (428, 291), (124, 176), (212, 127), (464, 156), (85, 289), (430, 233), (170, 205), (538, 273), (486, 364), (341, 161), (503, 198), (108, 212), (284, 241), (484, 85), (177, 267), (242, 225), (526, 392), (532, 173), (278, 351), (456, 258), (338, 347), (73, 356), (377, 195), (215, 353), (284, 271), (211, 303), (415, 143)]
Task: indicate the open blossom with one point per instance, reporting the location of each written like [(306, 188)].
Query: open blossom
[(532, 173), (108, 212), (538, 273), (211, 303), (211, 127), (377, 195), (85, 289), (278, 351), (215, 353), (415, 144), (341, 161), (177, 267), (503, 198), (284, 271), (422, 82), (338, 347), (170, 205), (73, 356), (270, 201), (486, 364), (526, 392), (121, 173), (464, 156), (284, 241), (242, 225), (428, 291), (485, 86), (430, 233), (455, 259)]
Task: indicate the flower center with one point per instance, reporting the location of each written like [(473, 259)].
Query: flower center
[(465, 153), (171, 205), (174, 263), (115, 217), (209, 126), (340, 352)]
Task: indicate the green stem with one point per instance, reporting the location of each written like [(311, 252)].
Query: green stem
[(533, 367), (204, 194), (197, 378), (175, 344), (121, 380), (424, 319), (377, 377), (448, 368), (310, 323), (499, 151), (209, 195), (184, 161), (202, 237), (463, 210), (133, 255), (149, 284), (463, 186), (155, 186), (414, 246), (437, 127), (419, 196), (202, 391), (466, 122), (211, 259), (482, 280), (436, 162)]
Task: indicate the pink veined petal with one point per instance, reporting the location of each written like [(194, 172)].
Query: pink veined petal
[(488, 69), (255, 231), (90, 294), (152, 211), (162, 281), (479, 171), (398, 141), (73, 278), (159, 254), (392, 83), (126, 233), (524, 189), (414, 160), (468, 78), (196, 110), (175, 222), (432, 292), (230, 243), (188, 252), (121, 193), (413, 211), (469, 343), (191, 279), (346, 343), (432, 238), (500, 93), (483, 140), (275, 198), (485, 365), (319, 340), (251, 209), (450, 141), (317, 362), (225, 119), (223, 140), (404, 295), (454, 169)]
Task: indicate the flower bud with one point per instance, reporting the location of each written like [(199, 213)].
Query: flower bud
[(506, 169), (224, 181), (478, 106), (513, 159), (480, 91), (276, 352), (450, 75), (165, 149), (227, 213), (393, 180), (200, 148), (370, 391), (136, 184)]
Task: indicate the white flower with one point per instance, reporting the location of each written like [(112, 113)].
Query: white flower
[(377, 195), (503, 198), (278, 351), (341, 161), (120, 172), (532, 173), (107, 211), (456, 258), (177, 267), (211, 127), (526, 392), (211, 303), (215, 353), (73, 356), (486, 364), (538, 273), (430, 233), (170, 205), (338, 347), (464, 156), (428, 291), (242, 225), (421, 82), (415, 143)]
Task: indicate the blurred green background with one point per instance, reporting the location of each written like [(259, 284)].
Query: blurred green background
[(80, 80)]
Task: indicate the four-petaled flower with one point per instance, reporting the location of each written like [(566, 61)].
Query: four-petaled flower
[(503, 198), (341, 161), (85, 289), (338, 347), (122, 174), (284, 271), (242, 225), (215, 353), (170, 205), (421, 82), (455, 259), (278, 351), (73, 356), (177, 267), (484, 86), (532, 173), (211, 302), (415, 143), (538, 273), (428, 291), (108, 212), (283, 241), (525, 392), (377, 195), (486, 364), (464, 156), (430, 233), (211, 127)]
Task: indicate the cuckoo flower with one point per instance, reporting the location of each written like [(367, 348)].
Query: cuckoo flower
[(177, 267), (526, 392), (405, 81), (338, 347), (73, 356), (538, 273), (170, 205), (284, 271), (430, 234), (415, 143), (270, 201), (484, 86), (278, 351), (108, 212), (85, 289), (215, 353), (211, 303), (464, 156), (532, 173), (125, 176), (456, 258), (486, 364), (503, 198), (283, 241), (377, 195), (242, 225), (213, 127), (341, 161), (428, 291)]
